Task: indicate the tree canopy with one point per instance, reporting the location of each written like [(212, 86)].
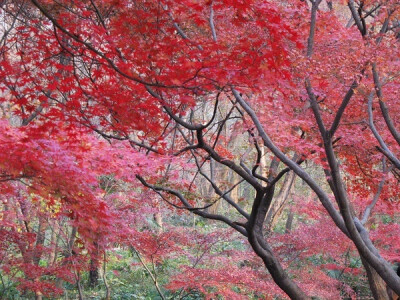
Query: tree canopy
[(122, 118)]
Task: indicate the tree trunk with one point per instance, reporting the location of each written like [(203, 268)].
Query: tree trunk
[(158, 219), (38, 251), (108, 291), (376, 283), (216, 172), (264, 166), (93, 274), (235, 192), (38, 294), (280, 200), (289, 221), (68, 252), (78, 285), (53, 242), (94, 267)]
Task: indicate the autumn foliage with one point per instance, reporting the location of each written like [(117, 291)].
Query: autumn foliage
[(275, 121)]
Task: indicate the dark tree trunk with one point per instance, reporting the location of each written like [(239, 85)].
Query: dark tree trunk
[(93, 274), (94, 267)]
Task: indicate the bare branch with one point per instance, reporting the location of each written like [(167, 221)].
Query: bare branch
[(284, 171), (356, 17), (324, 198), (179, 29), (343, 106), (179, 120), (230, 164), (152, 276), (367, 14), (98, 14), (315, 107), (224, 195), (383, 107), (33, 115), (214, 34), (365, 237), (199, 212), (310, 41), (385, 150), (370, 207)]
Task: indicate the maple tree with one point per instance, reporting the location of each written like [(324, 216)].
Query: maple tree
[(172, 86)]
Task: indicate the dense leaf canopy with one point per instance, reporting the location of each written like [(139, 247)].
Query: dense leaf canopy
[(117, 112)]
